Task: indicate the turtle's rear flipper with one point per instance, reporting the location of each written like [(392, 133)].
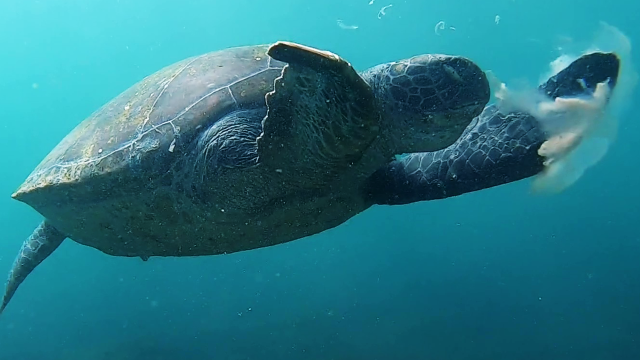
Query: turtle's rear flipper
[(42, 242), (321, 116)]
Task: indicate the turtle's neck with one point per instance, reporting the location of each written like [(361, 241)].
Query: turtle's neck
[(387, 141), (382, 149)]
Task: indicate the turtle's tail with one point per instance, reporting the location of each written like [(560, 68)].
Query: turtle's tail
[(44, 240)]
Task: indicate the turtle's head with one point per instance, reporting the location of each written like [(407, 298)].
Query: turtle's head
[(428, 100)]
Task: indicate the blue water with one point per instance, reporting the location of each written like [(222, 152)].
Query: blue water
[(496, 274)]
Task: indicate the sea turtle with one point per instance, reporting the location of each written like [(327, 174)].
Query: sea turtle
[(255, 146)]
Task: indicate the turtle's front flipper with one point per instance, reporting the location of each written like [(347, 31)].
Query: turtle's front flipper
[(321, 116), (498, 147), (42, 242)]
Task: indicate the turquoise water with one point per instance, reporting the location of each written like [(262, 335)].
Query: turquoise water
[(496, 274)]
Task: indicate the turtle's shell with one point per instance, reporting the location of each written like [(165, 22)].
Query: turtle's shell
[(156, 116)]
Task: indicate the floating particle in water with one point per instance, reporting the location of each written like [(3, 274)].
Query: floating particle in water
[(439, 26), (382, 11), (344, 26), (371, 2), (497, 19), (35, 86)]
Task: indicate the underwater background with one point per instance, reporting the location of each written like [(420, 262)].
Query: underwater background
[(496, 274)]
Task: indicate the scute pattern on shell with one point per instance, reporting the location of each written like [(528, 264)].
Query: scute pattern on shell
[(148, 116)]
